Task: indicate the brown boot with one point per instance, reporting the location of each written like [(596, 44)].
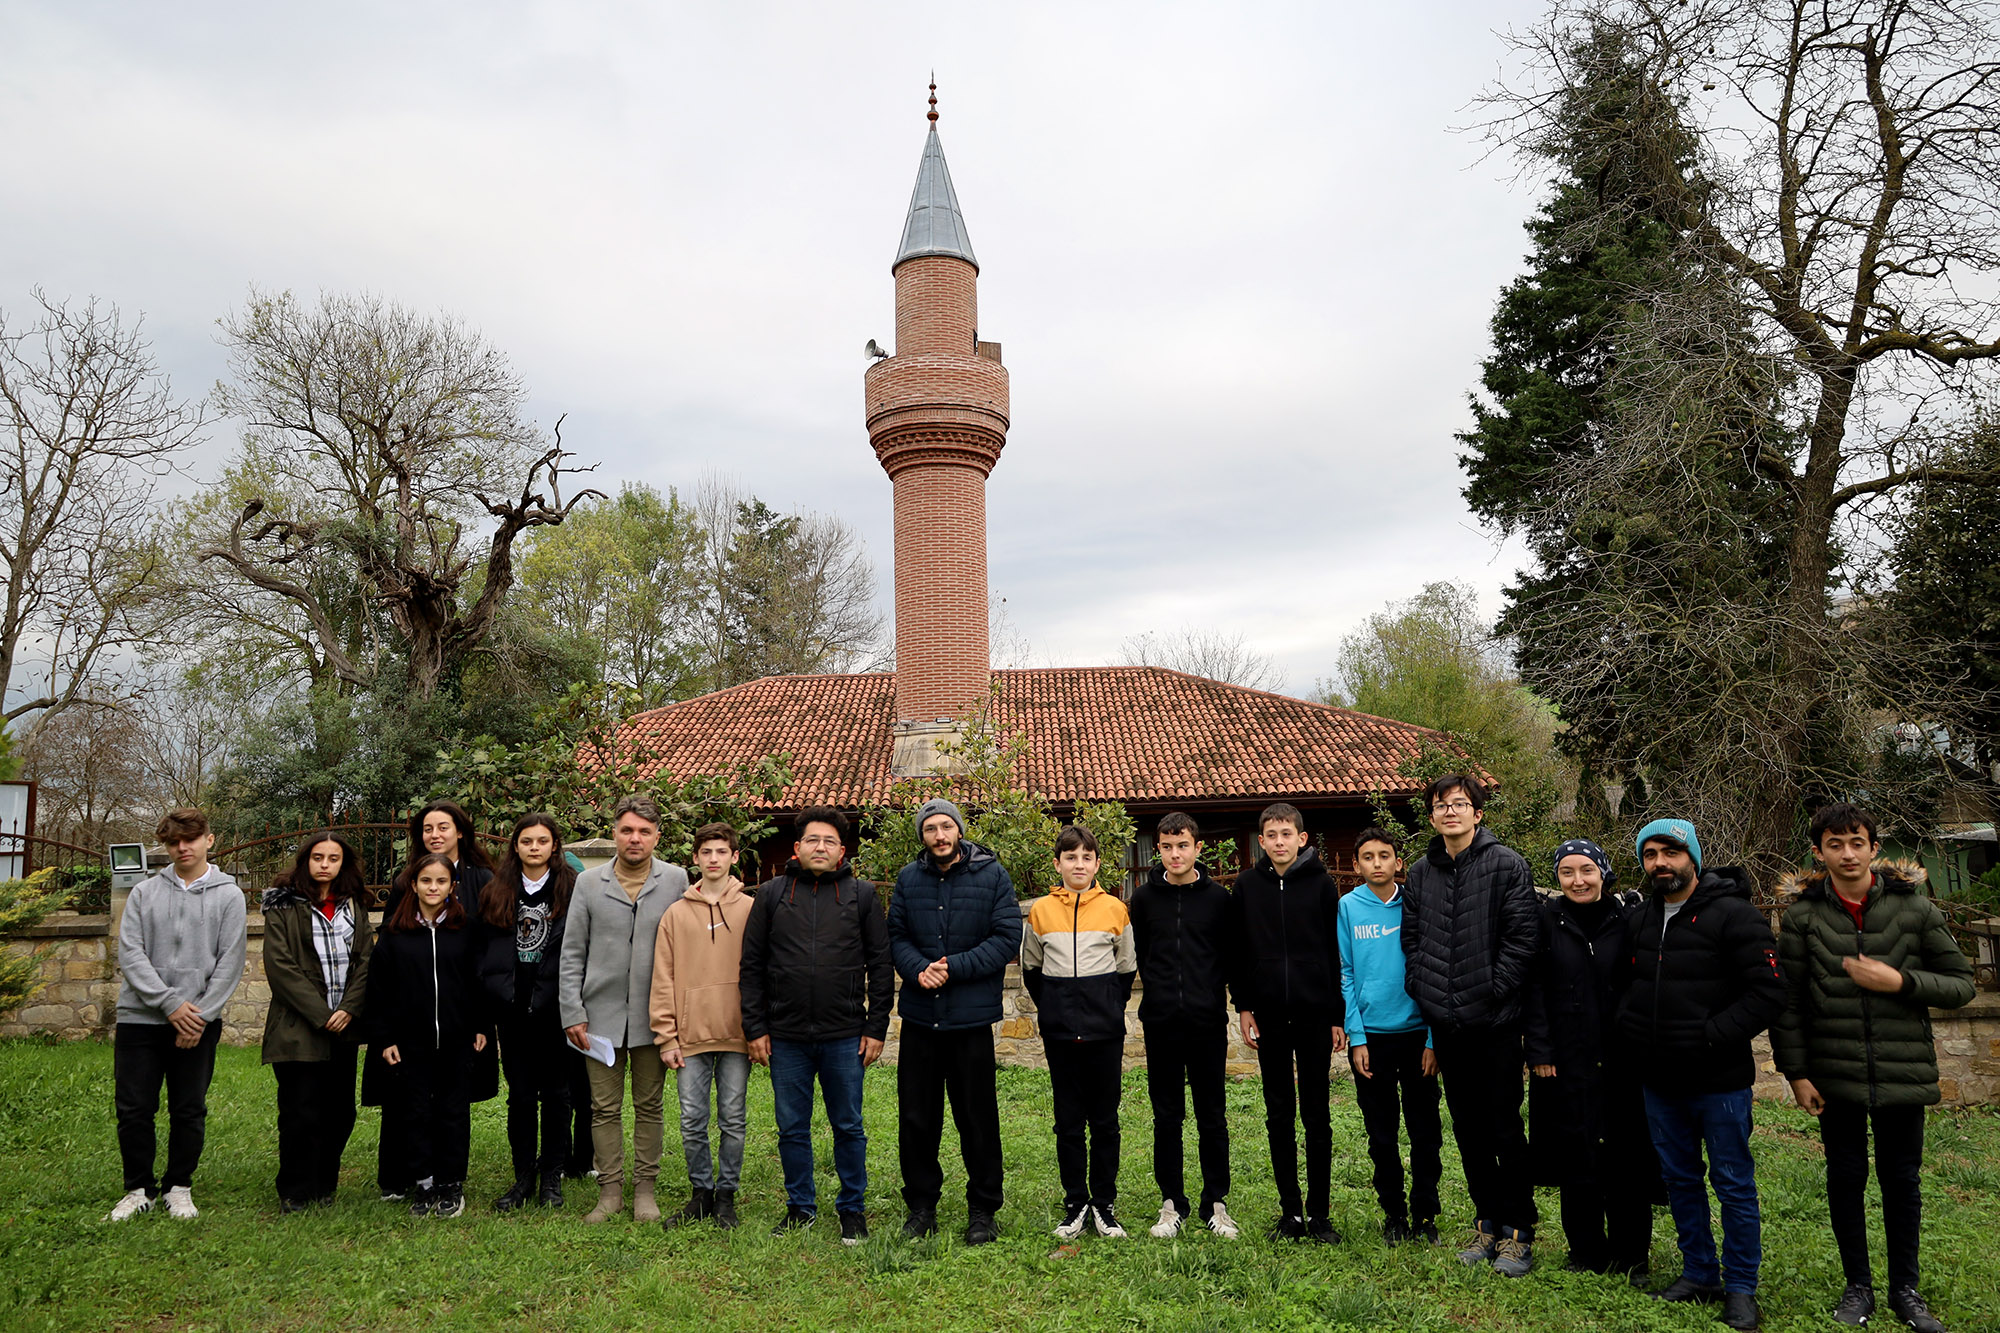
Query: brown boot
[(645, 1207), (610, 1202)]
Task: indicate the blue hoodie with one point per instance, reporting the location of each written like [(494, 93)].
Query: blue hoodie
[(1371, 966)]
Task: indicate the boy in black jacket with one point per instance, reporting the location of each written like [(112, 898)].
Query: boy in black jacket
[(1704, 981), (1180, 924), (1285, 975), (817, 984)]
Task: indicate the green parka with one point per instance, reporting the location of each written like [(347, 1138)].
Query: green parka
[(295, 1023), (1857, 1045)]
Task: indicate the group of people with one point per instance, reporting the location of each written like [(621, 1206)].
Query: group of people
[(1450, 979)]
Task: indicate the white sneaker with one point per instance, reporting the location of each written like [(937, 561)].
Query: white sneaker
[(1169, 1224), (138, 1201), (1073, 1223), (1221, 1223), (1106, 1223), (180, 1203)]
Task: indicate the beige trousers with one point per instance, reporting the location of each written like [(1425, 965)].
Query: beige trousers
[(607, 1105)]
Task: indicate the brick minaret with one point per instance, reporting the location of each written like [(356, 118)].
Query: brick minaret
[(937, 416)]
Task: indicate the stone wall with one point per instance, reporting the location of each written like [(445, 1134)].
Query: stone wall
[(80, 993)]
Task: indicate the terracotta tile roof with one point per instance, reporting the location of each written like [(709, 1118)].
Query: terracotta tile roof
[(1136, 734)]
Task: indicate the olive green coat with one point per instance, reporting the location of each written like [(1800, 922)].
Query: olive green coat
[(295, 1023), (1857, 1045)]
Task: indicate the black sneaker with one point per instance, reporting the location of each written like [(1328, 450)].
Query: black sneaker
[(292, 1206), (725, 1209), (981, 1229), (1076, 1218), (795, 1219), (853, 1228), (1739, 1310), (699, 1208), (1321, 1232), (1289, 1226), (1855, 1305), (551, 1195), (1684, 1290), (920, 1223), (1106, 1221), (1395, 1230), (422, 1201), (1425, 1229), (516, 1196), (450, 1201), (1909, 1307)]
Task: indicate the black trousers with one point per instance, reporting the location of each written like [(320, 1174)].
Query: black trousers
[(1190, 1057), (933, 1065), (1609, 1175), (582, 1152), (1482, 1070), (1086, 1077), (532, 1050), (1298, 1045), (430, 1109), (1899, 1155), (1398, 1090), (315, 1120), (144, 1057)]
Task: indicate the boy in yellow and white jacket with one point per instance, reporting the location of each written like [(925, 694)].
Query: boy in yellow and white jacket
[(1078, 962)]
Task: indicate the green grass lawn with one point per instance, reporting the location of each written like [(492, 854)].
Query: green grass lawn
[(366, 1264)]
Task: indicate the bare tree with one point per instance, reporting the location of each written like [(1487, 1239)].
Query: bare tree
[(1205, 652), (397, 467), (91, 425), (1842, 186), (87, 762)]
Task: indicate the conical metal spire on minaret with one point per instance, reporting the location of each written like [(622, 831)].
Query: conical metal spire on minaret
[(934, 226)]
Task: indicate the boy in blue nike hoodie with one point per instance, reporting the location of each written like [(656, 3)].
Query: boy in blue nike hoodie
[(1388, 1044)]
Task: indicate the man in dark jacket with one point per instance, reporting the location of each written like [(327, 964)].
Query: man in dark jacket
[(954, 925), (1704, 982), (1180, 925), (1866, 956), (1285, 975), (816, 986), (1470, 929)]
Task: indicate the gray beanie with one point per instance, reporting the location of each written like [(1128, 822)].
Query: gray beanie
[(940, 806)]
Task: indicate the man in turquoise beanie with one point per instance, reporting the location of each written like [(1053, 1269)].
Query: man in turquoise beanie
[(1679, 832)]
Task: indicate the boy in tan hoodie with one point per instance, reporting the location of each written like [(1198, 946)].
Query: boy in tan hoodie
[(698, 1021)]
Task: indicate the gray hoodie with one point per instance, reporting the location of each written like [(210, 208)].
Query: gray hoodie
[(180, 945)]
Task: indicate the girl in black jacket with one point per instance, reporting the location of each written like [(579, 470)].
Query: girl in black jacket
[(1586, 1111), (441, 828), (427, 1016), (521, 928)]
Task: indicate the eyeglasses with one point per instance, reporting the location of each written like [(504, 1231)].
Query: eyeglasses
[(1453, 808)]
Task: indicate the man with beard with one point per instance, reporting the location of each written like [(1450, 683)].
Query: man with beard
[(1705, 980)]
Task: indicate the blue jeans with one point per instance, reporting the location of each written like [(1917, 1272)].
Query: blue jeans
[(1681, 1126), (838, 1065)]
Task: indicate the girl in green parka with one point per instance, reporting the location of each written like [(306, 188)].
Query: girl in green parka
[(1866, 957)]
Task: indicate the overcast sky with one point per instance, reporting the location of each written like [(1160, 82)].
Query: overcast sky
[(1240, 262)]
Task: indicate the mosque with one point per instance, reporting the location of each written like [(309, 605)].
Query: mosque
[(1153, 739)]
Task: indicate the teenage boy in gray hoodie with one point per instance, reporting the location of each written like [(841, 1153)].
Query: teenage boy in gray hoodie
[(180, 955)]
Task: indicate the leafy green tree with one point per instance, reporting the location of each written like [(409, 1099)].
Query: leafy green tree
[(622, 580), (1521, 814)]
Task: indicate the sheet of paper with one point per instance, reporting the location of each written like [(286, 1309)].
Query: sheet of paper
[(601, 1049)]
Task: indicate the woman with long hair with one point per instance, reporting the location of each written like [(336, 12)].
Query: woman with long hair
[(441, 828), (429, 1020), (521, 920), (317, 942)]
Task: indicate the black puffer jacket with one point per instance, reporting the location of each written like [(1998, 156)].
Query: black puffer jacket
[(1287, 939), (1182, 935), (816, 959), (1856, 1045), (965, 914), (1470, 927), (1700, 989)]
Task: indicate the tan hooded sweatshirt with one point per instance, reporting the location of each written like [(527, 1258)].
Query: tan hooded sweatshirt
[(697, 958)]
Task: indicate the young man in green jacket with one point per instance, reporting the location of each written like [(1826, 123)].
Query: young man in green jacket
[(1866, 956)]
